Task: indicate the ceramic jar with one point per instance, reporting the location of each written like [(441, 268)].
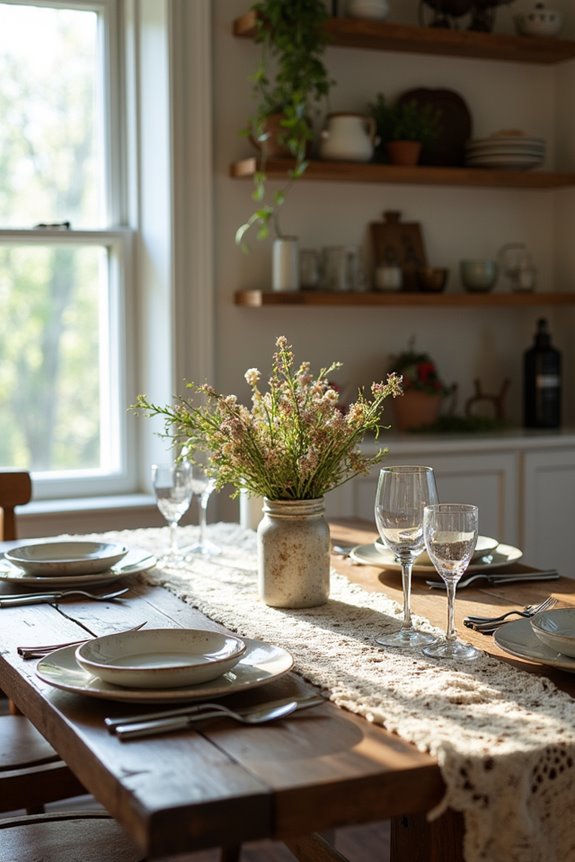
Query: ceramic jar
[(348, 138), (293, 554), (539, 21), (285, 263), (370, 9)]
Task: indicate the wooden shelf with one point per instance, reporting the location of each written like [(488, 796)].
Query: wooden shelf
[(260, 298), (381, 36), (358, 172)]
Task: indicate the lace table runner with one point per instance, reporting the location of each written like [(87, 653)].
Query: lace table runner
[(504, 739)]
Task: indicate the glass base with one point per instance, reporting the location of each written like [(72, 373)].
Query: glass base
[(452, 649), (208, 549), (405, 638)]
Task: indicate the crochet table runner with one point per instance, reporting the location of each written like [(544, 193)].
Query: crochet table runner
[(504, 739)]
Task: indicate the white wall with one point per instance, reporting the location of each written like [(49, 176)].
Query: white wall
[(456, 222)]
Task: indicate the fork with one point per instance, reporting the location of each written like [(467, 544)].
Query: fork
[(527, 611), (43, 598), (488, 628), (41, 650)]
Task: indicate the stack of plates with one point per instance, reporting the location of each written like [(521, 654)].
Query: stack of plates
[(515, 152)]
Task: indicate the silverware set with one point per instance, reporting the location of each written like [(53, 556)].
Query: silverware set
[(179, 718), (41, 650), (17, 599), (488, 625), (499, 578)]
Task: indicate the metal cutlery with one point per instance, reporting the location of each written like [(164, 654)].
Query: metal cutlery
[(528, 611), (500, 578), (39, 651), (12, 601), (254, 715), (199, 711), (488, 627)]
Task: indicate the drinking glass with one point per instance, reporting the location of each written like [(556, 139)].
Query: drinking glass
[(450, 531), (202, 486), (173, 489), (402, 494)]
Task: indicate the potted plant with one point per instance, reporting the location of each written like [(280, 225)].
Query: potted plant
[(423, 389), (405, 129), (289, 84)]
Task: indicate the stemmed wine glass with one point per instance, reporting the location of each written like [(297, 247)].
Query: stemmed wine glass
[(202, 486), (450, 531), (173, 489), (402, 494)]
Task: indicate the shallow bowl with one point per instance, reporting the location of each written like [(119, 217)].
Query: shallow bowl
[(160, 658), (556, 629), (484, 545), (66, 558)]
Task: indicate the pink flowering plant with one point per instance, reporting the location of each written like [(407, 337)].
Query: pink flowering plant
[(293, 443)]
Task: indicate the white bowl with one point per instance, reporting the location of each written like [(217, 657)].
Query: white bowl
[(478, 275), (556, 629), (66, 558), (540, 21), (484, 545), (160, 658)]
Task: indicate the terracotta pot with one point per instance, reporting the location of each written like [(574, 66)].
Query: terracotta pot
[(403, 152), (414, 409)]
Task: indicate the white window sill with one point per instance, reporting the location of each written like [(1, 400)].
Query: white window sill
[(86, 515)]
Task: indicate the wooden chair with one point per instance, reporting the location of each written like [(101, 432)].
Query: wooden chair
[(305, 848), (31, 772), (93, 837)]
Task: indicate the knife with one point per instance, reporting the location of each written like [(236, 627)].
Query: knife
[(302, 703), (546, 575)]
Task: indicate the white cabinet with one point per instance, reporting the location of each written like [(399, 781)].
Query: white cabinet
[(548, 500), (523, 484)]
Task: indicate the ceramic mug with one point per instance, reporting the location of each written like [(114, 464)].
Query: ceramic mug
[(388, 278)]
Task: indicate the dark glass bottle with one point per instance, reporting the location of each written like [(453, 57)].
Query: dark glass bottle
[(542, 381)]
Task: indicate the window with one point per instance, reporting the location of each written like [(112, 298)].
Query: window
[(64, 250)]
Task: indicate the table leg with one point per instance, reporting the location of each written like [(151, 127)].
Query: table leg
[(415, 839)]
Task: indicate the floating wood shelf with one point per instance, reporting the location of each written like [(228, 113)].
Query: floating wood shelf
[(357, 172), (260, 298), (381, 36)]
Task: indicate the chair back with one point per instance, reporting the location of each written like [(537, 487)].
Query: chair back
[(15, 490)]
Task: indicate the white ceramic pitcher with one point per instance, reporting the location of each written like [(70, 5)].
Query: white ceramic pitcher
[(348, 138)]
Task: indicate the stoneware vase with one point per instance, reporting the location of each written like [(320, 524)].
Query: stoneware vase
[(293, 554)]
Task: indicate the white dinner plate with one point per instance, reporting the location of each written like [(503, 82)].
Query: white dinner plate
[(135, 561), (484, 545), (519, 639), (61, 559), (260, 663), (160, 658), (374, 555)]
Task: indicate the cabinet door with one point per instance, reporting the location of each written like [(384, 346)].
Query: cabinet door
[(487, 479), (548, 509)]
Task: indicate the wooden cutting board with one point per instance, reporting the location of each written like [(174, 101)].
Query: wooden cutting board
[(397, 243)]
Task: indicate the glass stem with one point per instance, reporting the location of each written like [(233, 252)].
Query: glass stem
[(406, 567), (203, 518), (173, 526), (451, 634)]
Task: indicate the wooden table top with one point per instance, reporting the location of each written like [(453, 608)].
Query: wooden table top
[(223, 783)]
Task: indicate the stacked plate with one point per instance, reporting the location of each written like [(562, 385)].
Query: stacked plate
[(505, 151)]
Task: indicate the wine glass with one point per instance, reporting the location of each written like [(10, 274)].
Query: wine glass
[(202, 486), (450, 531), (402, 493), (173, 489)]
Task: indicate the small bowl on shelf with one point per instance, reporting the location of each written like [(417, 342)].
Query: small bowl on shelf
[(478, 276), (432, 279)]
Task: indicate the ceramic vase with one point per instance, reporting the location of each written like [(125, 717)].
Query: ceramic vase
[(293, 554), (285, 263)]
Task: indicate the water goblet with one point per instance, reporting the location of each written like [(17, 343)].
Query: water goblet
[(450, 531), (402, 494), (202, 486), (172, 485)]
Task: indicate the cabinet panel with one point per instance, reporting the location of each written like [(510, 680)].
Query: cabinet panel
[(548, 509), (488, 479)]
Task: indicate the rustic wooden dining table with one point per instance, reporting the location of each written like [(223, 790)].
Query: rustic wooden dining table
[(219, 783)]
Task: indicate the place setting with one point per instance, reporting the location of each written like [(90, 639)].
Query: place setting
[(547, 637), (71, 563), (163, 665)]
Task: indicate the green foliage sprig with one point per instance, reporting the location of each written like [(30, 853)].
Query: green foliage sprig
[(292, 80), (294, 443), (405, 121)]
